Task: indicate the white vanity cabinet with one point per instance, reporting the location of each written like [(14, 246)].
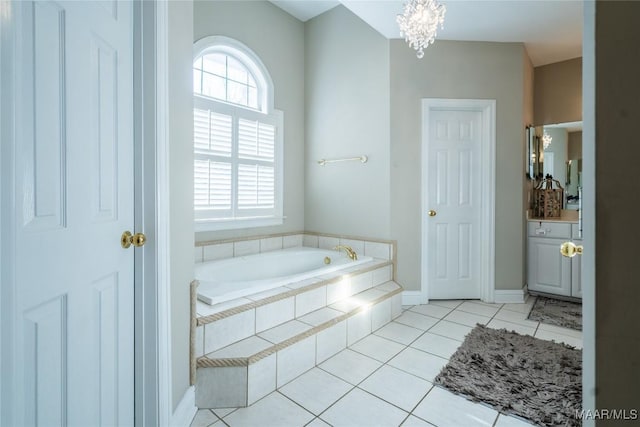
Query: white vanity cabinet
[(548, 270)]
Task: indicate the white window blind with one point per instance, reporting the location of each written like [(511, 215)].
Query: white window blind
[(255, 187), (237, 154), (256, 179), (212, 132), (256, 140), (212, 183)]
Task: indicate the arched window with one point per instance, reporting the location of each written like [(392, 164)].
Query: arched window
[(238, 159), (221, 76)]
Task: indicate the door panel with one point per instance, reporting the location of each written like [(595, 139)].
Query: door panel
[(45, 336), (442, 178), (465, 258), (73, 336), (453, 182), (104, 66), (465, 182), (442, 259), (44, 145)]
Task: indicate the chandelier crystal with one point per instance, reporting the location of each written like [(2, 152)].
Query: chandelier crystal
[(419, 23), (546, 140)]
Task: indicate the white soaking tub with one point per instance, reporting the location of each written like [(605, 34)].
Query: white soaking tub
[(237, 277)]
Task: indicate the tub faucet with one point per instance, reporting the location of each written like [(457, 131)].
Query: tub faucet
[(350, 252)]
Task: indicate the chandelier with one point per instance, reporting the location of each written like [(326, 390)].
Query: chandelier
[(546, 140), (419, 22)]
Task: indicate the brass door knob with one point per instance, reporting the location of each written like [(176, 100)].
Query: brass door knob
[(431, 212), (570, 249), (127, 239)]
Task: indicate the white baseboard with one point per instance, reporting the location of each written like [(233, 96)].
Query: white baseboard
[(500, 296), (186, 409), (413, 298), (510, 296)]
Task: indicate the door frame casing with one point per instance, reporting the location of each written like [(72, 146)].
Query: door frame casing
[(152, 327), (487, 184), (7, 207), (154, 394), (161, 189), (588, 262)]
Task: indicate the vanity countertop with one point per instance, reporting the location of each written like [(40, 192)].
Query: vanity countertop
[(570, 216)]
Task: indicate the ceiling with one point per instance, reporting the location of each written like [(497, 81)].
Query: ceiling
[(550, 29)]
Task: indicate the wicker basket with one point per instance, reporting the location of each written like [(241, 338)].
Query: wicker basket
[(548, 197)]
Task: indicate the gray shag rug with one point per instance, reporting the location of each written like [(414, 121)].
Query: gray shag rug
[(557, 312), (520, 375)]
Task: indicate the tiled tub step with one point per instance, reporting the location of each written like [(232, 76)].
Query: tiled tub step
[(243, 372), (223, 324)]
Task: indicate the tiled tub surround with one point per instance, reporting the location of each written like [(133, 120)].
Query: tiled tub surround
[(246, 348), (220, 249)]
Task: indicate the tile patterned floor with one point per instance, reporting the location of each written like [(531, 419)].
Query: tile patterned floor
[(385, 379)]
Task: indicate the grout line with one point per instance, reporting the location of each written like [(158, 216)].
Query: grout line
[(382, 399), (444, 306), (222, 419), (496, 420), (537, 327), (433, 317), (378, 336), (341, 397), (314, 416), (446, 336), (420, 402)]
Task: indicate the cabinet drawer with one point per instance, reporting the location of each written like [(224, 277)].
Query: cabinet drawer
[(558, 230), (575, 232)]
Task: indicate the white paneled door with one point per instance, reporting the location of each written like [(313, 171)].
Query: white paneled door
[(73, 313), (452, 219)]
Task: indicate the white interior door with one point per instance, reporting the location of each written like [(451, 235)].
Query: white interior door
[(453, 201), (73, 296)]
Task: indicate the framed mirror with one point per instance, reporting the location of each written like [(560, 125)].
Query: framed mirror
[(534, 154), (556, 150)]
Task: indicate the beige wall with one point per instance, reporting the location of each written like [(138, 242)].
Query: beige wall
[(347, 105), (278, 39), (452, 69), (617, 198), (181, 184), (528, 95), (558, 92), (574, 151)]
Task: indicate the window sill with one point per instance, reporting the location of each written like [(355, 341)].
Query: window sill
[(234, 224)]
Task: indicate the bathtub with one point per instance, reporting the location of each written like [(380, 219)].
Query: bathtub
[(237, 277)]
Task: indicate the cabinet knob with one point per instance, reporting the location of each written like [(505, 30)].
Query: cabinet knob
[(570, 249)]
